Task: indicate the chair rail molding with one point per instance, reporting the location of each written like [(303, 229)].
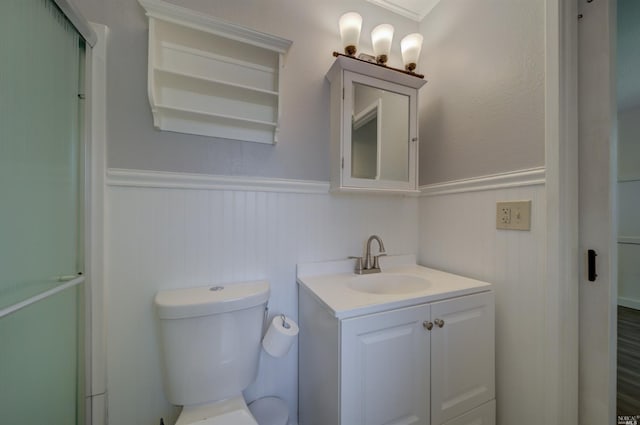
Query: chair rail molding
[(518, 178), (173, 180)]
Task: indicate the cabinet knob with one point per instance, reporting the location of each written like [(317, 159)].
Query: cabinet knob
[(427, 325), (439, 322)]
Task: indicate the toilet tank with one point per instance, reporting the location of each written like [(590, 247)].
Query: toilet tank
[(210, 340)]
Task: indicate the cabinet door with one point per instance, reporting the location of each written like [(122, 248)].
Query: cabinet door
[(462, 355), (379, 134), (385, 368)]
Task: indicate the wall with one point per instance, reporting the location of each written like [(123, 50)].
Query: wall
[(482, 111), (160, 237), (629, 142), (629, 243), (155, 236), (628, 57), (628, 207), (302, 151), (458, 234), (481, 123), (628, 90), (484, 97)]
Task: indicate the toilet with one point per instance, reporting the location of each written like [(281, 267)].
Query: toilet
[(210, 340)]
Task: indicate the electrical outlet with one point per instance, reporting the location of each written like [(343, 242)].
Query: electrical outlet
[(504, 215), (513, 215)]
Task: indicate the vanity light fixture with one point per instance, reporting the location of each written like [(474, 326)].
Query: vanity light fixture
[(411, 46), (350, 25), (381, 37)]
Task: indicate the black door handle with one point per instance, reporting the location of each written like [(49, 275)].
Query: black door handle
[(591, 265)]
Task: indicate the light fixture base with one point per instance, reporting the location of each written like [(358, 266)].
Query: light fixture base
[(410, 66), (382, 59), (350, 50), (372, 63)]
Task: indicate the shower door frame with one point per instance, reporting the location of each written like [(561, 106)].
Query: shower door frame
[(92, 169), (95, 169)]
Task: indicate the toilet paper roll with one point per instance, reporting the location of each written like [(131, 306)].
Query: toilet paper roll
[(280, 336)]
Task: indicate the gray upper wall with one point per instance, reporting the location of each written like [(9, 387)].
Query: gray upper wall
[(482, 111), (628, 55), (628, 88), (303, 148)]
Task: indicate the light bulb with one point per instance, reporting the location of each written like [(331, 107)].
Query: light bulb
[(381, 37), (411, 46), (350, 25)]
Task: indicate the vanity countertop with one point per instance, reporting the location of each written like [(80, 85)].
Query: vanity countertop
[(346, 294)]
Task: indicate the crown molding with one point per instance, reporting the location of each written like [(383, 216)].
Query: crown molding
[(165, 11)]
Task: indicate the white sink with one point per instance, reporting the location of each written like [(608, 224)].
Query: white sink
[(402, 283), (388, 283)]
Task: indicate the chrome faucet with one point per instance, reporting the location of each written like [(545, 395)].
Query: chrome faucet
[(371, 264)]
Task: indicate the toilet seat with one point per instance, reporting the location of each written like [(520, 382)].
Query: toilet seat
[(233, 411)]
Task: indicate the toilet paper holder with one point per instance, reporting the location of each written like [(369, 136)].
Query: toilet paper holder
[(280, 335), (284, 322), (265, 325)]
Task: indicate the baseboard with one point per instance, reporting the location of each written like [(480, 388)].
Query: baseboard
[(629, 240), (629, 302)]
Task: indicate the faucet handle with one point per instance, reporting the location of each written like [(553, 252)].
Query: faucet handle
[(376, 264), (358, 263)]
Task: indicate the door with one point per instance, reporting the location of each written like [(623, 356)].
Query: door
[(597, 224), (462, 355), (385, 368), (41, 212)]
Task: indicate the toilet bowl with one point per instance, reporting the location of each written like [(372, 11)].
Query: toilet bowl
[(233, 411), (270, 411), (210, 338)]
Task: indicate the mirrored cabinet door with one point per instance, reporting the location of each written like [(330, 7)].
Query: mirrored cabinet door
[(380, 139), (373, 128)]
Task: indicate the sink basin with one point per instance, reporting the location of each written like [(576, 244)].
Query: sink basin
[(388, 283)]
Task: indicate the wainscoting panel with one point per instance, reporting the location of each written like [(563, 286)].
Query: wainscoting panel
[(175, 237), (458, 234)]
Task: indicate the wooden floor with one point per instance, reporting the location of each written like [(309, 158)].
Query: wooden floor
[(628, 361)]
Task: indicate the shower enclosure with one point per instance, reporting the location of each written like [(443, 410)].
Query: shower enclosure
[(42, 289)]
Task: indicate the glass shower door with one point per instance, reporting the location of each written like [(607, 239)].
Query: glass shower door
[(41, 288)]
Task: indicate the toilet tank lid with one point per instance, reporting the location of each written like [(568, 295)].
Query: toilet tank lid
[(212, 299)]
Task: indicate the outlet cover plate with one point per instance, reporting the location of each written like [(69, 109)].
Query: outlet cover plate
[(513, 215)]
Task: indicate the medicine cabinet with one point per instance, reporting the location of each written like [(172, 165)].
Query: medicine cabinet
[(374, 128), (212, 78)]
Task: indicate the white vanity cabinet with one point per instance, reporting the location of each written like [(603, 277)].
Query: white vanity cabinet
[(428, 364), (374, 127), (462, 357), (385, 368)]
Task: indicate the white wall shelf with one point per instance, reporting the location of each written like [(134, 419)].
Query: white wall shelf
[(212, 78)]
